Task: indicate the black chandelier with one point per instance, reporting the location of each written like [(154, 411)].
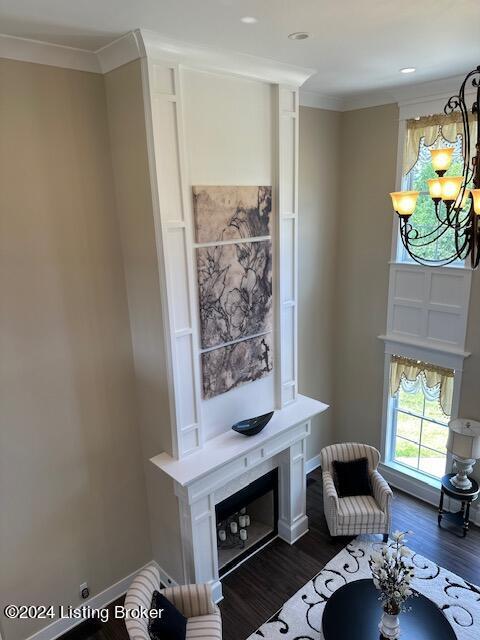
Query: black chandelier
[(456, 198)]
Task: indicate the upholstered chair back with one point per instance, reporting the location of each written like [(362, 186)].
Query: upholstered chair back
[(347, 451), (139, 595)]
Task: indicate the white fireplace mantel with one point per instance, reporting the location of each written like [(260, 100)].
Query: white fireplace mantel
[(230, 446), (227, 464)]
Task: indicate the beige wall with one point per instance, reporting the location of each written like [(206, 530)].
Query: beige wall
[(134, 207), (368, 145), (72, 491), (319, 152)]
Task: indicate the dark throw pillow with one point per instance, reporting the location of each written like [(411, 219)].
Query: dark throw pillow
[(172, 625), (352, 478)]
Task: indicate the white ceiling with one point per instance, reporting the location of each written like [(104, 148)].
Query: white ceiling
[(357, 46)]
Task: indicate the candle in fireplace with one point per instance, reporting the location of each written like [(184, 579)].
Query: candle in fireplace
[(242, 521), (243, 534), (222, 535), (233, 527)]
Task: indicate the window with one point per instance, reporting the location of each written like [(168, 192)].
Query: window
[(423, 135), (424, 218), (420, 406)]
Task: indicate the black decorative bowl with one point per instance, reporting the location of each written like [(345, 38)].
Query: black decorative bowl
[(252, 426)]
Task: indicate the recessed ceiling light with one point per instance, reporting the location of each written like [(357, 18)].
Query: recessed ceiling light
[(248, 20), (299, 35), (408, 70)]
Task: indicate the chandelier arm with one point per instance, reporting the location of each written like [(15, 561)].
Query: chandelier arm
[(405, 230), (464, 222), (413, 234)]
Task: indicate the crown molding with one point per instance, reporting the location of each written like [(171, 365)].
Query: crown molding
[(320, 101), (143, 43), (119, 52), (53, 55), (422, 98), (209, 59)]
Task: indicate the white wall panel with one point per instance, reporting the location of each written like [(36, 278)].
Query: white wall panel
[(429, 305), (229, 141)]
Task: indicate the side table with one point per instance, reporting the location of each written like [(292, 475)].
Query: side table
[(466, 497)]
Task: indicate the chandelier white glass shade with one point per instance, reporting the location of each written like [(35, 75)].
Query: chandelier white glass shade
[(456, 198)]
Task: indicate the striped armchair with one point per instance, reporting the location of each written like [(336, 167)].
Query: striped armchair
[(193, 601), (356, 514)]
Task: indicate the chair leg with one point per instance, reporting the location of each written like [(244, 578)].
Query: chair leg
[(385, 537)]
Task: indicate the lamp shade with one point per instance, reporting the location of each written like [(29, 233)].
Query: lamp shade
[(435, 188), (464, 438), (404, 202), (476, 200), (442, 158), (451, 187)]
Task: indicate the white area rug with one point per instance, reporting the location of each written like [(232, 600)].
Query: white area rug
[(300, 618)]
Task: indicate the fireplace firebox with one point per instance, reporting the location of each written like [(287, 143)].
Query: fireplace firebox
[(246, 521)]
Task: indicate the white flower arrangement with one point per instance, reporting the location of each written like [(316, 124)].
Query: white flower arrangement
[(393, 573)]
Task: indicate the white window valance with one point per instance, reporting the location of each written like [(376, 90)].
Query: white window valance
[(440, 128), (432, 378)]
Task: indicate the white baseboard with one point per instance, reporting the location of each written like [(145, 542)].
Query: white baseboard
[(58, 627), (312, 464), (165, 579), (413, 486), (423, 490)]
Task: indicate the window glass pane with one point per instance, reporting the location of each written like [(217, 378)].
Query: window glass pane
[(434, 436), (432, 463), (408, 426), (423, 170), (434, 411), (419, 428), (406, 452), (424, 218), (412, 402)]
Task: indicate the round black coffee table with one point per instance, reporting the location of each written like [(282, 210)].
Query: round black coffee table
[(353, 612)]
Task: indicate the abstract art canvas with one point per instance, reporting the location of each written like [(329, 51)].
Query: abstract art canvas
[(235, 291), (228, 367), (228, 213)]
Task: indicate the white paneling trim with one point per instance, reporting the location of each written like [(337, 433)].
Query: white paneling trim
[(174, 244), (287, 245), (169, 354), (119, 52), (161, 47), (313, 463), (429, 352), (102, 599), (53, 55)]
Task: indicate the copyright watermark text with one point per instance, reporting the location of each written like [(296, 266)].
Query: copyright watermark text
[(50, 612)]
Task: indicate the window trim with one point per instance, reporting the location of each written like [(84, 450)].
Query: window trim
[(394, 411), (441, 358)]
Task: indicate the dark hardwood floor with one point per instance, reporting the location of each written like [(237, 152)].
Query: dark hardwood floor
[(259, 587)]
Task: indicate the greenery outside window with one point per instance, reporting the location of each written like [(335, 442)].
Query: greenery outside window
[(423, 135), (419, 415)]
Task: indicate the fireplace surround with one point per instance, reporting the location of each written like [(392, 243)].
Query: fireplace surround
[(226, 465)]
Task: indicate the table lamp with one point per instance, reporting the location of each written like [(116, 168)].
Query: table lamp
[(464, 444)]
